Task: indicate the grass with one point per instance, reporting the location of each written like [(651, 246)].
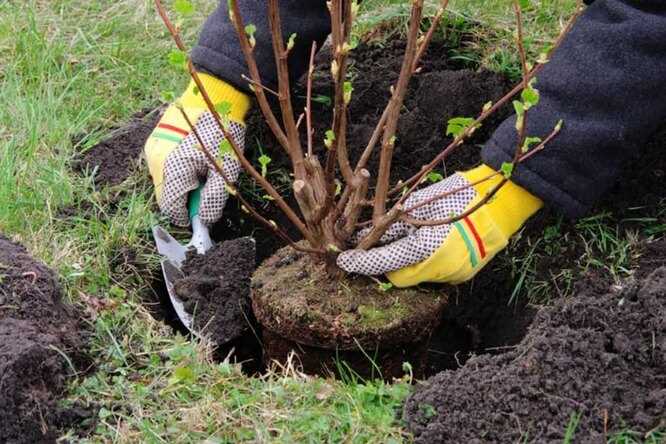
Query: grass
[(494, 44), (69, 70), (61, 62)]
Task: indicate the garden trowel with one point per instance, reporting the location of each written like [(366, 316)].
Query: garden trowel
[(173, 254)]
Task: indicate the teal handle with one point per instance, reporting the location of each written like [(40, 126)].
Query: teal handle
[(194, 202)]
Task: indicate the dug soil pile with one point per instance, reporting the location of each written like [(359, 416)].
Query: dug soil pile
[(114, 158), (600, 356), (326, 321), (36, 329), (216, 291)]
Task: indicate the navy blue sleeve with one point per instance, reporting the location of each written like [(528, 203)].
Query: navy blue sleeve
[(607, 82), (218, 51)]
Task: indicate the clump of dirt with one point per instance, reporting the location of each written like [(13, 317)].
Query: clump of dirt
[(600, 356), (113, 159), (215, 289), (295, 299), (36, 327)]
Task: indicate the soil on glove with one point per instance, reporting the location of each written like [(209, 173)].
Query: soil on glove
[(444, 89), (34, 326), (216, 289), (600, 356), (114, 159), (295, 299)]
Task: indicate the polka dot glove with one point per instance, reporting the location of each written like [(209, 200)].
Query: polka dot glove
[(450, 253), (178, 165)]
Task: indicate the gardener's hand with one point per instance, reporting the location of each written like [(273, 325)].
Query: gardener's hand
[(450, 253), (176, 163)]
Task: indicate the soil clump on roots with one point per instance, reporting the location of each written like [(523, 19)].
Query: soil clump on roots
[(215, 289), (328, 321), (599, 355), (37, 330)]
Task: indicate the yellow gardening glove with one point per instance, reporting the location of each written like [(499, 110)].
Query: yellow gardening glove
[(451, 253), (175, 161)]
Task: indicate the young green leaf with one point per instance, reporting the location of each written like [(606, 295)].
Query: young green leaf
[(529, 141), (507, 169), (184, 7), (520, 114), (524, 4), (168, 96), (324, 100), (385, 286), (530, 97), (223, 109), (519, 108), (330, 138), (458, 125), (348, 89), (435, 177), (250, 29), (225, 149), (264, 160), (354, 40), (177, 58), (291, 42)]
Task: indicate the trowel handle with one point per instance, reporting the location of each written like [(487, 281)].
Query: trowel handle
[(194, 202), (200, 236)]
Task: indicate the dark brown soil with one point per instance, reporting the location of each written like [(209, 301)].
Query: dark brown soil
[(216, 290), (114, 159), (597, 355), (296, 300), (35, 327)]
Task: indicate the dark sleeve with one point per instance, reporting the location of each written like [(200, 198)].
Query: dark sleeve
[(608, 83), (218, 51)]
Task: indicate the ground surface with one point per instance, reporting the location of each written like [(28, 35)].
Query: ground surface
[(215, 289), (71, 70), (42, 342), (594, 363)]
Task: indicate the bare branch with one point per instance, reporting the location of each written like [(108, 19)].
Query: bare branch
[(259, 85), (415, 180), (388, 138), (308, 100), (378, 229), (430, 223), (353, 210), (234, 191), (247, 166), (423, 46), (284, 88), (341, 28), (365, 156), (259, 93)]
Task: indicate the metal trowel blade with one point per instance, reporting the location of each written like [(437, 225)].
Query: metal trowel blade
[(168, 247)]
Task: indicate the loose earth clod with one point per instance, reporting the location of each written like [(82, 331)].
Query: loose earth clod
[(600, 358), (215, 289), (36, 329)]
